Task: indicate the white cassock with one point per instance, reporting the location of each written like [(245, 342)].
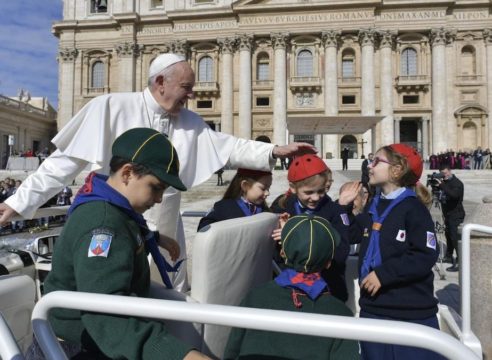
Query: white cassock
[(88, 137)]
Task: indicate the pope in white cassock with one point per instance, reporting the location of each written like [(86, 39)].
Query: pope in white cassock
[(87, 139)]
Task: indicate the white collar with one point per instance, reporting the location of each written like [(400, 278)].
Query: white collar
[(394, 194)]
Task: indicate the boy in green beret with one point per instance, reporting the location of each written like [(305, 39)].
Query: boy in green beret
[(103, 249), (308, 244)]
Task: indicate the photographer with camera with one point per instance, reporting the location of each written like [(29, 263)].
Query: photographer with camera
[(451, 192)]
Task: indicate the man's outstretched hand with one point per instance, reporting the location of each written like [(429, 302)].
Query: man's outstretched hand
[(6, 213), (293, 149)]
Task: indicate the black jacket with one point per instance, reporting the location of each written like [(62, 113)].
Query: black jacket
[(405, 273), (452, 199), (334, 213)]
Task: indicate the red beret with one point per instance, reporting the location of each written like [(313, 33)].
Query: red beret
[(413, 158), (305, 166)]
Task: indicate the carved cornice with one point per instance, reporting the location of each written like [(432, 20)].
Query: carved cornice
[(245, 42), (67, 54), (487, 36), (227, 45), (279, 40), (387, 38), (125, 49), (181, 47), (367, 37), (330, 38)]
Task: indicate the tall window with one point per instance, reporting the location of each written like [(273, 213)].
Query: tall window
[(97, 79), (468, 61), (408, 62), (305, 63), (206, 69), (263, 67), (348, 63)]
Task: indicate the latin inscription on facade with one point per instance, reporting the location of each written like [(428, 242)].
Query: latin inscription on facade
[(307, 18), (155, 30), (471, 15), (413, 15), (205, 26)]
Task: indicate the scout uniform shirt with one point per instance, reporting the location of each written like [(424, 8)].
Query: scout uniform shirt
[(101, 250)]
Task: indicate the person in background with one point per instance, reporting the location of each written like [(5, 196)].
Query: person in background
[(308, 243)]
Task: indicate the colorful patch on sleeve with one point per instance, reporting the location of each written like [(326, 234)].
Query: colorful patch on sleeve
[(345, 219), (402, 235), (100, 243), (431, 240)]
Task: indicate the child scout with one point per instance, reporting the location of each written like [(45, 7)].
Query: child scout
[(102, 250), (308, 245)]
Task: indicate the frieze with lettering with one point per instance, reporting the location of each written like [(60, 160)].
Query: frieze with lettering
[(307, 18), (155, 30), (205, 26), (412, 15)]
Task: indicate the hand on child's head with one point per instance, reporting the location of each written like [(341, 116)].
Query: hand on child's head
[(276, 235), (282, 219)]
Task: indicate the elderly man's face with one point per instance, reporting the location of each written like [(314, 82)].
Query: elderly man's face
[(174, 92)]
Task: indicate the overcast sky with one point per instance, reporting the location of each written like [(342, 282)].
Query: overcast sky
[(28, 50)]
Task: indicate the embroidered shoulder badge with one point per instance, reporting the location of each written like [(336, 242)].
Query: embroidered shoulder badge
[(431, 240), (100, 243), (345, 219), (402, 235)]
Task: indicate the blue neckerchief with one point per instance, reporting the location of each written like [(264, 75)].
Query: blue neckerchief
[(301, 209), (245, 207), (311, 284), (97, 189), (372, 258)]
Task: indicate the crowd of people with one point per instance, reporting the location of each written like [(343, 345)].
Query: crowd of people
[(468, 160)]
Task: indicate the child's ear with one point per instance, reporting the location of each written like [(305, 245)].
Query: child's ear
[(126, 172), (244, 186), (292, 188)]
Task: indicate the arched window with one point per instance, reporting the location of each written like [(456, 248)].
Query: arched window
[(408, 62), (468, 63), (348, 63), (263, 67), (97, 78), (206, 69), (305, 63)]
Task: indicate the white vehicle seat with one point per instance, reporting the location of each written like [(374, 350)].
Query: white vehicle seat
[(17, 295), (229, 258)]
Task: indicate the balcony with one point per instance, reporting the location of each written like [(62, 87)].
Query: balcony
[(299, 84), (412, 82), (349, 81), (469, 79), (206, 88), (263, 84)]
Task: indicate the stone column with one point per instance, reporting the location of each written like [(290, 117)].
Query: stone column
[(487, 35), (245, 46), (279, 44), (425, 138), (439, 110), (386, 89), (397, 129), (452, 135), (127, 51), (66, 91), (330, 40), (181, 47), (227, 86), (368, 106)]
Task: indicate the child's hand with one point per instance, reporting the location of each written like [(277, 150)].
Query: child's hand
[(282, 219), (170, 245), (276, 235), (349, 194), (195, 355), (371, 284)]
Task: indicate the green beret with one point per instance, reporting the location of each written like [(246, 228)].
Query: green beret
[(308, 242)]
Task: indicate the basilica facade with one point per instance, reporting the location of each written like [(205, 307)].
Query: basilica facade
[(404, 71)]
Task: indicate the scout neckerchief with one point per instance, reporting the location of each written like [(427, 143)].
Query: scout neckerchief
[(248, 208), (372, 258), (312, 284), (301, 209), (95, 188)]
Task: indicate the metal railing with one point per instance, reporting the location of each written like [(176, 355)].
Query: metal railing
[(391, 332)]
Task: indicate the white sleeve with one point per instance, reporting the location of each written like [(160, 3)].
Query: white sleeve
[(251, 154), (56, 171)]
